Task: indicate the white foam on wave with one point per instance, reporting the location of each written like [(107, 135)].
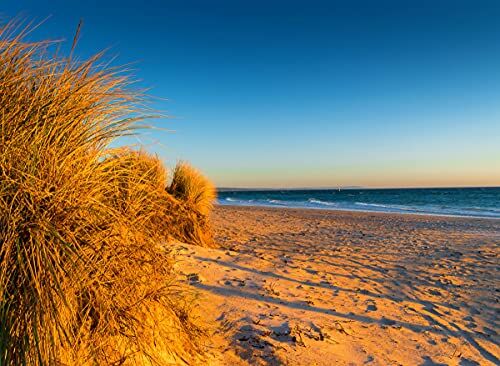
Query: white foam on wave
[(279, 202), (369, 204), (319, 202), (388, 207), (234, 200)]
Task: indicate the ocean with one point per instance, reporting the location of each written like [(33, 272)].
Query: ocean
[(469, 202)]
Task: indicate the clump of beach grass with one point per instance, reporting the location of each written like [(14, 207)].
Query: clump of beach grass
[(192, 187), (197, 194), (175, 212), (85, 275)]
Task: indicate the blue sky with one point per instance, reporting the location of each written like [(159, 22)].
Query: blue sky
[(308, 93)]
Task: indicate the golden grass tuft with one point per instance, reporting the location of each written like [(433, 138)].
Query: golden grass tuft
[(84, 279), (178, 212), (196, 194), (193, 188)]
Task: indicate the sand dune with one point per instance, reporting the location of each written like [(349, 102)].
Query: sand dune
[(306, 287)]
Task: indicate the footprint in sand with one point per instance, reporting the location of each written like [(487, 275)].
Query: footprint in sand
[(371, 306), (369, 359), (193, 278)]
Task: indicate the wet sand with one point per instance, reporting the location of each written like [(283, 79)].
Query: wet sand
[(314, 287)]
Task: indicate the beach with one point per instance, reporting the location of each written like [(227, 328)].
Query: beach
[(274, 183), (318, 287)]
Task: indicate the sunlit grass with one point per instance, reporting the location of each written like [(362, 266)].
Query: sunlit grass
[(85, 274), (197, 194), (190, 186)]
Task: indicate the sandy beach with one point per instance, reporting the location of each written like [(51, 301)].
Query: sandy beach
[(315, 287)]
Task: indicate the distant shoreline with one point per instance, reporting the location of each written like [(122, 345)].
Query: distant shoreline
[(320, 209)]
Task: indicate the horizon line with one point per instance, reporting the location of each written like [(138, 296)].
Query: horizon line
[(342, 188)]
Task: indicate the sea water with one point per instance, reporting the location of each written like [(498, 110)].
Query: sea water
[(471, 202)]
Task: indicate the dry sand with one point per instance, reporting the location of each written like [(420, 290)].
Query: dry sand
[(311, 287)]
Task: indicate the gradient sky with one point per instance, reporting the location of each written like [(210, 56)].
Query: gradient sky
[(308, 93)]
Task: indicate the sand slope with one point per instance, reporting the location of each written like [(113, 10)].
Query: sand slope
[(304, 287)]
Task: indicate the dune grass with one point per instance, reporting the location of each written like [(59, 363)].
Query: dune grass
[(190, 186), (85, 273), (197, 195)]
